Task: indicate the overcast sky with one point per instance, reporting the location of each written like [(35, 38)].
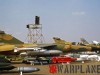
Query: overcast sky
[(67, 19)]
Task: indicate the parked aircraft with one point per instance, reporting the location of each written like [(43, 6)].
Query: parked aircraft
[(88, 56), (94, 45), (58, 45), (85, 56), (70, 46), (96, 42), (83, 41), (5, 64), (9, 39), (7, 67), (8, 43)]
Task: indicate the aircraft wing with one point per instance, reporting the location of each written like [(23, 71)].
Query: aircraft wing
[(47, 46), (6, 47)]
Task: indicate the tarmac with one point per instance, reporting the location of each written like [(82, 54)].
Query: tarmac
[(45, 69)]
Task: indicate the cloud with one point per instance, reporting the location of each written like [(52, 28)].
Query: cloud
[(79, 13)]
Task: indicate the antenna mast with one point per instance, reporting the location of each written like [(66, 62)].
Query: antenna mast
[(35, 32)]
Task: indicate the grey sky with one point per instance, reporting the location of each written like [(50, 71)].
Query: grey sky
[(67, 19)]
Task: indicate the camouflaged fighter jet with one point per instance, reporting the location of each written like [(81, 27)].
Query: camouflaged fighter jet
[(8, 43), (95, 45), (70, 46)]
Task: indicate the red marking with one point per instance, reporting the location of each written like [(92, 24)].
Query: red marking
[(53, 68), (62, 59)]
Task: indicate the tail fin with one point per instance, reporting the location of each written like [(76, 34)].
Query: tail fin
[(58, 40), (83, 41), (96, 42), (9, 39)]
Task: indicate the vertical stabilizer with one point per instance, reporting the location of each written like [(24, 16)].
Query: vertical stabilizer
[(83, 41), (96, 42), (58, 40), (9, 39)]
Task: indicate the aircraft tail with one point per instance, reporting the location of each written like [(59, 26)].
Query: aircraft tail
[(83, 41), (96, 42), (9, 39), (58, 40)]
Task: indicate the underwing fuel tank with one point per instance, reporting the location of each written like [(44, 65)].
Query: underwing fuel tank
[(27, 69)]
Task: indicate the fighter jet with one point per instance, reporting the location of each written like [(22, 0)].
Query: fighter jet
[(7, 67), (85, 42), (70, 46), (5, 64), (9, 39), (94, 45), (8, 43)]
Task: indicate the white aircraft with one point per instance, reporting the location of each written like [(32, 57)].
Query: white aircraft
[(95, 42), (94, 57), (82, 58), (85, 56), (88, 57)]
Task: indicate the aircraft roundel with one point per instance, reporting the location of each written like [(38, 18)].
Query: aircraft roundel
[(7, 37)]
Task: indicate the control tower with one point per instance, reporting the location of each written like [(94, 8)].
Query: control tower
[(35, 32)]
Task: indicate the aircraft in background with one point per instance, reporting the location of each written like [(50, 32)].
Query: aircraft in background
[(84, 56), (7, 40), (70, 46), (83, 41), (94, 45)]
